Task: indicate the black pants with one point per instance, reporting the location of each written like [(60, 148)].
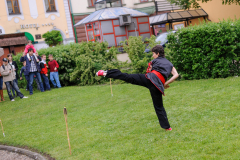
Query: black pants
[(140, 79)]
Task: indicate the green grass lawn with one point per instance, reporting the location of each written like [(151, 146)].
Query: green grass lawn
[(204, 115)]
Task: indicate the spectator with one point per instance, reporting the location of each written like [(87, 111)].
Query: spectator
[(8, 77), (23, 71), (29, 45), (44, 73), (15, 70), (1, 85), (38, 84), (32, 68), (53, 66)]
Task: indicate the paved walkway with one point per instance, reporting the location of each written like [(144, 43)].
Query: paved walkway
[(123, 57), (14, 153), (5, 155)]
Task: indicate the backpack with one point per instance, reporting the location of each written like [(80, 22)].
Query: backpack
[(4, 68), (42, 65)]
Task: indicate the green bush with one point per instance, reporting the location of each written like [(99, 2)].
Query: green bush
[(53, 37), (78, 63), (209, 50), (135, 48), (97, 57), (22, 83)]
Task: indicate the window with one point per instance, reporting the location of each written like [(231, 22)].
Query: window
[(93, 32), (50, 5), (143, 0), (91, 3), (13, 7)]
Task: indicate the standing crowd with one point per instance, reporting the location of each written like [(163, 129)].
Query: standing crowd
[(34, 68)]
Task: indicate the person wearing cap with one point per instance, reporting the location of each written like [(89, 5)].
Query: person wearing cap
[(6, 71)]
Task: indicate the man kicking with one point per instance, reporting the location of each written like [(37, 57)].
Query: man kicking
[(155, 79)]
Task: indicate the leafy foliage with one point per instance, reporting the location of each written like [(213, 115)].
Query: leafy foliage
[(53, 37), (187, 4), (135, 48), (210, 50), (96, 57), (78, 63)]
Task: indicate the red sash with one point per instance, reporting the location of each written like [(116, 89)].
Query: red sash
[(159, 75)]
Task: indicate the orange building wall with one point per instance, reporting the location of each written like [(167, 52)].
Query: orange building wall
[(196, 21), (217, 11)]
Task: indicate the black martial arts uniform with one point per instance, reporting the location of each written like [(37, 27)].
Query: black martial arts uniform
[(154, 80)]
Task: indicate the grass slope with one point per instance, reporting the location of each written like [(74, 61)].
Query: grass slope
[(204, 115)]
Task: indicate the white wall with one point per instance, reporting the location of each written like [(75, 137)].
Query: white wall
[(80, 6)]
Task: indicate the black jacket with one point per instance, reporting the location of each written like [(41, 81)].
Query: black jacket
[(28, 63), (163, 66), (16, 67)]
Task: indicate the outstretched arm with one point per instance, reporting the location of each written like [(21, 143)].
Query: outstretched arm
[(174, 77)]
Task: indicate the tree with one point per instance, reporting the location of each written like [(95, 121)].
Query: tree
[(53, 38), (187, 4)]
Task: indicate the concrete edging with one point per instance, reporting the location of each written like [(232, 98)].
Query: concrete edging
[(22, 151)]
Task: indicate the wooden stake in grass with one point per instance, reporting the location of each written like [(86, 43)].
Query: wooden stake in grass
[(2, 128), (65, 116), (111, 86)]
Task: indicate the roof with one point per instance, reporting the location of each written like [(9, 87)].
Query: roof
[(165, 5), (177, 16), (148, 10), (110, 13), (12, 39), (108, 1)]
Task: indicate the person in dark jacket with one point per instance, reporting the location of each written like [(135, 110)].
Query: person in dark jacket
[(155, 80), (15, 66), (1, 80), (32, 68), (23, 71)]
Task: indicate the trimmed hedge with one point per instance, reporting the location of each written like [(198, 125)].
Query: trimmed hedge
[(78, 63), (209, 50), (135, 48)]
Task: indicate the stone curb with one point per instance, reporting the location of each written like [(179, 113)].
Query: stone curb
[(22, 151)]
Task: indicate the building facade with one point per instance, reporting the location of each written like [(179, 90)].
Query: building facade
[(34, 18), (81, 9)]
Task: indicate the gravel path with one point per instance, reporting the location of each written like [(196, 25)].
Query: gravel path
[(5, 155), (123, 57)]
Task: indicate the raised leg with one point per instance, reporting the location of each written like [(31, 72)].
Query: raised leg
[(137, 79)]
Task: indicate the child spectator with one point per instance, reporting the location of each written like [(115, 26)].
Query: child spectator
[(29, 45), (44, 73), (8, 77), (23, 71), (53, 66)]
